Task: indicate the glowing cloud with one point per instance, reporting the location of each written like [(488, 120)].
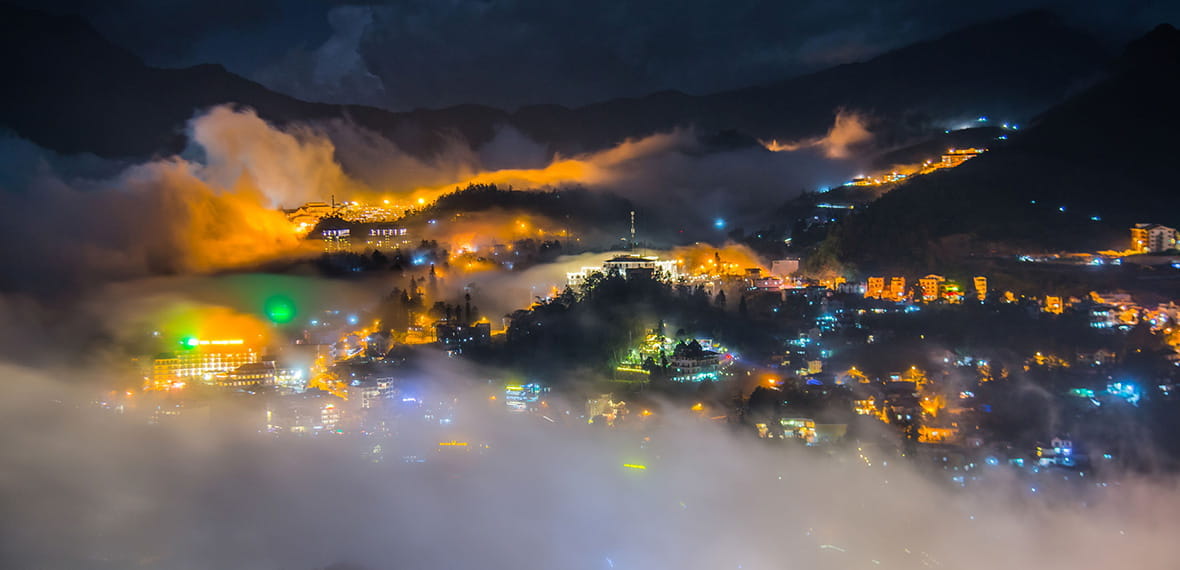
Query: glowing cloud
[(850, 129)]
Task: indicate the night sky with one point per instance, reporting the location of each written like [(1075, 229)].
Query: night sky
[(434, 53)]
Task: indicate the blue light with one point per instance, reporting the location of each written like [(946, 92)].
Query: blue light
[(982, 119), (719, 223), (418, 259), (1126, 391), (352, 319), (1095, 218)]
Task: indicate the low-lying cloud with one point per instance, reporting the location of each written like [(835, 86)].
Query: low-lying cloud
[(849, 131), (84, 488)]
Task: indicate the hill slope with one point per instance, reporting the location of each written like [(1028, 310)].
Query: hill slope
[(1013, 67), (1075, 180), (69, 89)]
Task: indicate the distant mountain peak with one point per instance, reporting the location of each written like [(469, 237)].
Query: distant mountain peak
[(1160, 46)]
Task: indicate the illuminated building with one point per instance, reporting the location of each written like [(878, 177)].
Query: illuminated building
[(875, 288), (897, 289), (605, 407), (250, 376), (798, 428), (1112, 298), (955, 157), (1058, 452), (200, 361), (1152, 238), (290, 379), (865, 406), (364, 394), (1053, 305), (767, 284), (457, 336), (367, 214), (308, 413), (814, 367), (833, 283), (1112, 315), (336, 240), (937, 434), (952, 293), (523, 398), (386, 238), (312, 212), (690, 360), (629, 266), (625, 264), (694, 362), (980, 287), (931, 287)]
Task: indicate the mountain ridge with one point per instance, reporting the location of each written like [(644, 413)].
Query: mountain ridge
[(104, 100), (1074, 180)]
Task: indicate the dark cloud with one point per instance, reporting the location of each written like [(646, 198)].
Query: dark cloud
[(427, 53)]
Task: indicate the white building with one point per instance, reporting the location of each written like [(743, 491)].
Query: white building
[(387, 239), (628, 265), (336, 240), (1152, 238)]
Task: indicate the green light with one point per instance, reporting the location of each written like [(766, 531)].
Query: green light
[(190, 341), (279, 309)]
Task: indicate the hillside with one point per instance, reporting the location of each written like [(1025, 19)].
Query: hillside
[(1074, 180), (69, 89), (1010, 68)]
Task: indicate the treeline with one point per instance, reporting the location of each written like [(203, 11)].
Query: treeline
[(593, 327), (566, 203)]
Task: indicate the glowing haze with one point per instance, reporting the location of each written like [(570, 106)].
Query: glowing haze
[(201, 493), (850, 129)]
